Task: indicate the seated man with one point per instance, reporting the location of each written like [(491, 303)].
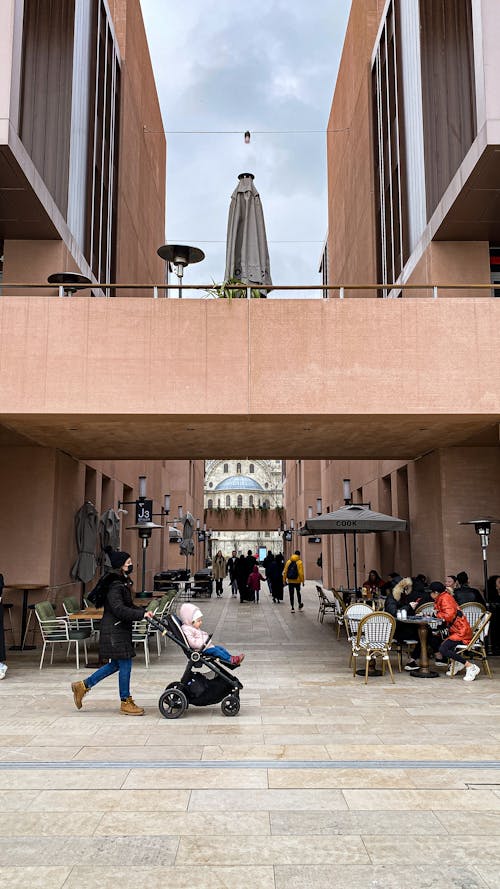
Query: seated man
[(464, 593), (459, 631)]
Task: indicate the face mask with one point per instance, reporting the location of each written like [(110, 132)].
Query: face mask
[(129, 569)]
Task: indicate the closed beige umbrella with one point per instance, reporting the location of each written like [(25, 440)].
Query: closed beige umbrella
[(247, 255)]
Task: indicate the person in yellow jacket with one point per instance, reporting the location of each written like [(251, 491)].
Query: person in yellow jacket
[(293, 575)]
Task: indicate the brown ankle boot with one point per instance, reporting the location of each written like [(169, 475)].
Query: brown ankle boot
[(130, 709), (79, 690)]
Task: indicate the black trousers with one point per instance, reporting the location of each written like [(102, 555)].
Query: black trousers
[(292, 589), (218, 587), (447, 650)]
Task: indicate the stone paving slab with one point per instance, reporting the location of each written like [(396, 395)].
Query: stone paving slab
[(272, 822)]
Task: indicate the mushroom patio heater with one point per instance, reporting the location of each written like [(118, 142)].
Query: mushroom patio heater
[(144, 530), (69, 282), (179, 256), (482, 527)]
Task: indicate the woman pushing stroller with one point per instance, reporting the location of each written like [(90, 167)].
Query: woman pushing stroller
[(192, 619)]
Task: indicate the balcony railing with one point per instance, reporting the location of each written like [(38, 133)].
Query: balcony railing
[(241, 291)]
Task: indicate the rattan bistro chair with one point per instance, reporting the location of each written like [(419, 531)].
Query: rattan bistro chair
[(473, 611), (352, 616), (476, 647), (373, 640)]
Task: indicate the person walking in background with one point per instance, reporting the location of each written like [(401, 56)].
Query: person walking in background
[(293, 575), (242, 573), (266, 565), (231, 570), (219, 572), (115, 639), (253, 581), (275, 576)]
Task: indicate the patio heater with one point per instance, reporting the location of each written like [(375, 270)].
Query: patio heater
[(482, 527), (143, 524), (179, 256), (346, 490), (69, 282)]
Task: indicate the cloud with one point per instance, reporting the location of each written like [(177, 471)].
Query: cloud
[(224, 66)]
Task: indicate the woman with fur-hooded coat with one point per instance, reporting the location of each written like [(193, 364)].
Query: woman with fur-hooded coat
[(399, 597)]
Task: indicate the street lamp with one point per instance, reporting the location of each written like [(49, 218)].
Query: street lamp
[(179, 256), (482, 528), (346, 486)]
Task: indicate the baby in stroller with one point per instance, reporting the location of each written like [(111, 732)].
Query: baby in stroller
[(192, 619)]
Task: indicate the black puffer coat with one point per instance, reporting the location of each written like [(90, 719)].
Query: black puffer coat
[(115, 642)]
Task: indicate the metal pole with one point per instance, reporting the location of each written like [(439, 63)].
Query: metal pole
[(144, 547), (347, 562), (355, 564), (485, 573), (180, 287)]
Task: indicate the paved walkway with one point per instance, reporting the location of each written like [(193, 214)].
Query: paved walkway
[(321, 779)]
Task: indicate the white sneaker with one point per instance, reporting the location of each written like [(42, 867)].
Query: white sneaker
[(3, 670), (458, 667), (471, 673)]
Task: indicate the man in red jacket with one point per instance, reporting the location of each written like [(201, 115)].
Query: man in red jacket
[(459, 631)]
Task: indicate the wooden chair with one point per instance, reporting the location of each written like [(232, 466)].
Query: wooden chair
[(373, 640), (476, 646)]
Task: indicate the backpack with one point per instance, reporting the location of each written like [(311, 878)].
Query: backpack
[(292, 571), (97, 596)]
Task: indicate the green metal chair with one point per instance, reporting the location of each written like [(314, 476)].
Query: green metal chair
[(57, 630)]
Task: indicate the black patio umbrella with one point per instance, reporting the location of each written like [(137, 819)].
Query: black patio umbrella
[(86, 520), (186, 545), (247, 254), (353, 519)]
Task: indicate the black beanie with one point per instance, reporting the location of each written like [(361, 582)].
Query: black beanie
[(437, 587), (117, 557)]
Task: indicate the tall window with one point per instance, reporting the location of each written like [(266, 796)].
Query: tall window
[(251, 469), (388, 150), (239, 500), (226, 467), (228, 500), (210, 504), (250, 500), (238, 468)]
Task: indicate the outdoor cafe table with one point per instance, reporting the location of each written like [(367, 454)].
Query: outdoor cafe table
[(25, 589), (423, 624)]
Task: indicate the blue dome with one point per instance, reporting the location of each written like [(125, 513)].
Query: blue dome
[(238, 483)]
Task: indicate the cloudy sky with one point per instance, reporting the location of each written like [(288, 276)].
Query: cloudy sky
[(223, 67)]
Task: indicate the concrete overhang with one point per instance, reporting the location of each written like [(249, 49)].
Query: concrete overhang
[(22, 214), (169, 379), (474, 214)]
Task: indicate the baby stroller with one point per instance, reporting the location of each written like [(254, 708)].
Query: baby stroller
[(195, 687)]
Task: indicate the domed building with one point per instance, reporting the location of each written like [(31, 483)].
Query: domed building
[(243, 484)]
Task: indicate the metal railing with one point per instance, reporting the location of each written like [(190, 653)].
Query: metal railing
[(323, 291)]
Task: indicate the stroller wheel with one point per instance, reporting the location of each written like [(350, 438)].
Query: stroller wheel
[(230, 705), (173, 703)]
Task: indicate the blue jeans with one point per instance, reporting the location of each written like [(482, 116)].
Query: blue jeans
[(123, 668), (218, 651)]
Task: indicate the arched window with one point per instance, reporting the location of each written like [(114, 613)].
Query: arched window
[(228, 500), (251, 468), (218, 502), (250, 500), (266, 504), (239, 501), (238, 468), (226, 467), (210, 504), (266, 486)]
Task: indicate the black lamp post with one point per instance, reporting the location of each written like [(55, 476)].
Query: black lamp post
[(143, 522), (179, 256), (482, 527)]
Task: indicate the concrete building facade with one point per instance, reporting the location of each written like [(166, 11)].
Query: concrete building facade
[(243, 504), (82, 189), (413, 170)]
